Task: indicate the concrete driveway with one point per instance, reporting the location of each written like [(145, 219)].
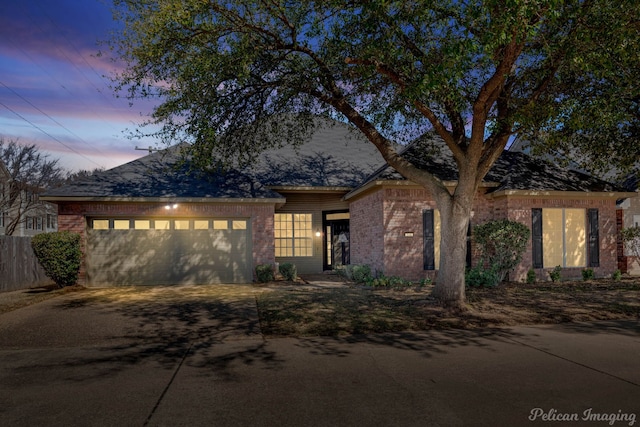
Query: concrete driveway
[(194, 356)]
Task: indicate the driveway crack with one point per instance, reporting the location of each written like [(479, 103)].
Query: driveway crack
[(166, 389), (574, 362)]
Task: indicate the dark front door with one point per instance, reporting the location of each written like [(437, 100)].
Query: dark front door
[(337, 240)]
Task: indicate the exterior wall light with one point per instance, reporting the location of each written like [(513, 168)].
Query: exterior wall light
[(174, 206)]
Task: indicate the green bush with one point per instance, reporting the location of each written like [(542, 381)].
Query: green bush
[(389, 282), (264, 273), (587, 274), (288, 271), (360, 273), (59, 254), (617, 275), (479, 277), (531, 276), (555, 273), (501, 243), (424, 282)]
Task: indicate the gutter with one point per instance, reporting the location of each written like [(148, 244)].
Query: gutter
[(245, 200), (567, 194)]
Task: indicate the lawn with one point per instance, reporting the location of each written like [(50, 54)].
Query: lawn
[(287, 310)]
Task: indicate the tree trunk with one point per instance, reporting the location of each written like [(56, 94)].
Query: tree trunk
[(455, 212)]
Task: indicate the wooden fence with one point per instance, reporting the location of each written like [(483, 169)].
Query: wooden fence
[(19, 268)]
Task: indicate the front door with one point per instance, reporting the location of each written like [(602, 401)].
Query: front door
[(336, 231)]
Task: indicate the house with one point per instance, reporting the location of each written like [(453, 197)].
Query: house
[(628, 213), (330, 202), (22, 213), (629, 216)]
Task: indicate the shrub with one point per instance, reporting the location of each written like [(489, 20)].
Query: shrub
[(555, 273), (502, 244), (264, 273), (59, 254), (424, 282), (587, 274), (531, 276), (631, 238), (617, 275), (288, 271), (360, 273), (479, 277), (389, 282)]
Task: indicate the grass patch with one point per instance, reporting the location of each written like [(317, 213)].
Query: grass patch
[(362, 310)]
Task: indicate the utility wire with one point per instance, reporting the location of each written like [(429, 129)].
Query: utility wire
[(48, 134), (51, 118)]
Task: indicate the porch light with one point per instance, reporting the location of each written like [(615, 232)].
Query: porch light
[(174, 206), (318, 234)]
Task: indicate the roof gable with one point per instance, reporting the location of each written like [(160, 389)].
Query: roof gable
[(512, 170)]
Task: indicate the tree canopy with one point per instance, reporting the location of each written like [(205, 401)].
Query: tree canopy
[(30, 172), (475, 72)]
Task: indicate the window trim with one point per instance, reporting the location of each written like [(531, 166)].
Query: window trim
[(309, 249)]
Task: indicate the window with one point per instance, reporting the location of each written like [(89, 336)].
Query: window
[(432, 234), (201, 224), (29, 223), (220, 224), (141, 224), (2, 216), (565, 237), (121, 224), (51, 221), (161, 224), (38, 223), (181, 224), (100, 224), (239, 225), (293, 235)]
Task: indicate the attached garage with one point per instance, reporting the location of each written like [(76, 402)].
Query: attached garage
[(166, 251)]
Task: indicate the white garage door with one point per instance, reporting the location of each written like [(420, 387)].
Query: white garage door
[(164, 251)]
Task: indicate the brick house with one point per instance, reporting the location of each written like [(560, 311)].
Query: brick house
[(329, 202)]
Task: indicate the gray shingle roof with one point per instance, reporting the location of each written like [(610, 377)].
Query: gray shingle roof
[(162, 175), (512, 170), (335, 156)]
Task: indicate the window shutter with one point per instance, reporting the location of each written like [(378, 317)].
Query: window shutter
[(469, 246), (594, 238), (428, 234), (536, 235)]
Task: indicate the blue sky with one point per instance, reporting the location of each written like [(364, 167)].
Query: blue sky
[(53, 87)]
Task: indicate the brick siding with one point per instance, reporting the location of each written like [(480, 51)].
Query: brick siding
[(380, 219)]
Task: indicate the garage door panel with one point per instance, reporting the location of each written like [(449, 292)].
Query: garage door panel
[(149, 256)]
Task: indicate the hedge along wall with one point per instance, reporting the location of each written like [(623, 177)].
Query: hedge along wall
[(19, 267)]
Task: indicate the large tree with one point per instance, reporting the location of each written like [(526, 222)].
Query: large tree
[(476, 72), (30, 172)]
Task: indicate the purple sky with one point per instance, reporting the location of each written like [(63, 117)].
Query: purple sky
[(53, 89)]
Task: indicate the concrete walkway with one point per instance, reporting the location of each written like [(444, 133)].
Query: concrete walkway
[(152, 359)]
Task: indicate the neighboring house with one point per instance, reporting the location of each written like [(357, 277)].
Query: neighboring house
[(22, 213), (330, 202)]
